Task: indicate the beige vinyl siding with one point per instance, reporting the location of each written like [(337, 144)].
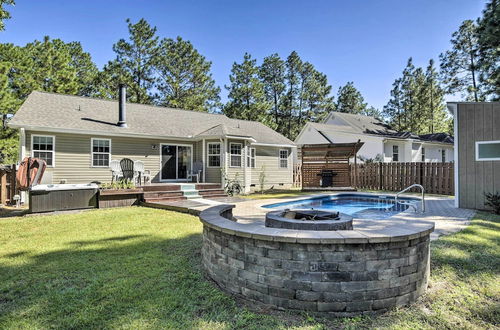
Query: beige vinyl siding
[(213, 173), (233, 172), (73, 156), (275, 176)]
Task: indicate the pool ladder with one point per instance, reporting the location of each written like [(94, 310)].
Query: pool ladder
[(409, 203)]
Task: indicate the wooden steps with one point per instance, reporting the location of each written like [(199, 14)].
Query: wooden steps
[(175, 192)]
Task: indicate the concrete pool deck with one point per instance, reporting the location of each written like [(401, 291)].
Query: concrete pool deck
[(440, 210)]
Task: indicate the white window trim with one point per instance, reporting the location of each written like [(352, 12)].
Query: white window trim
[(92, 152), (397, 153), (250, 157), (477, 151), (231, 155), (212, 155), (279, 158), (53, 148)]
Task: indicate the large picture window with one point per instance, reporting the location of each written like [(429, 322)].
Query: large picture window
[(42, 147), (235, 154), (487, 150), (214, 155), (283, 158), (251, 158), (101, 152)]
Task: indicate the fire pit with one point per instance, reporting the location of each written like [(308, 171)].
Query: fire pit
[(308, 220)]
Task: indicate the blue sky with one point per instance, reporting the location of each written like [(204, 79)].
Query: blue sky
[(364, 41)]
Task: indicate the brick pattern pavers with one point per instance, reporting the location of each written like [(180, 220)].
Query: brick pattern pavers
[(440, 210)]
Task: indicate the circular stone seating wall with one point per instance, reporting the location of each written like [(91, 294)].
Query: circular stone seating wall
[(343, 273)]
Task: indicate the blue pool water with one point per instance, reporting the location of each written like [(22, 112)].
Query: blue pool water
[(357, 206)]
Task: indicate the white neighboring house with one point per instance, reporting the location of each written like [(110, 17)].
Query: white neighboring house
[(381, 141)]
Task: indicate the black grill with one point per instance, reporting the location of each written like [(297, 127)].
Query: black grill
[(327, 177)]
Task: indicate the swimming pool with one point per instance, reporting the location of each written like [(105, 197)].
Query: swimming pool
[(356, 205)]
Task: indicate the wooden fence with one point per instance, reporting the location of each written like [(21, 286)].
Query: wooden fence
[(7, 184), (436, 178)]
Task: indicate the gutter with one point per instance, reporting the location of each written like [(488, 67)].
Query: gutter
[(138, 135)]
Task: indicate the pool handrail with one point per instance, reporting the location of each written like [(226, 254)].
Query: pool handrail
[(408, 188)]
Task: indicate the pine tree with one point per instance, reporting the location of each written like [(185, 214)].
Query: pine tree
[(247, 99), (4, 14), (134, 64), (417, 101), (350, 100), (272, 74), (48, 65), (460, 66), (435, 105), (394, 109), (184, 78), (489, 49), (293, 93)]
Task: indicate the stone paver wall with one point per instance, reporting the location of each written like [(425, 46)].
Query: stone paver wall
[(343, 279)]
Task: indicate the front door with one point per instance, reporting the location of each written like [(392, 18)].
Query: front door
[(176, 161)]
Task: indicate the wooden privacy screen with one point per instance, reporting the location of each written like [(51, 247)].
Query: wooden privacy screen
[(7, 184), (436, 178), (333, 156), (310, 177)]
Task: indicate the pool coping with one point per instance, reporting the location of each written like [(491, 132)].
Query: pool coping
[(324, 195), (379, 231)]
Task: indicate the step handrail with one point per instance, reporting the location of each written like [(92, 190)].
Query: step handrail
[(408, 188)]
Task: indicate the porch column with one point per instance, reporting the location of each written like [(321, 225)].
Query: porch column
[(246, 170), (204, 160), (225, 160)]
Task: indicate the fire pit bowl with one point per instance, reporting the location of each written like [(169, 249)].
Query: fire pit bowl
[(308, 220)]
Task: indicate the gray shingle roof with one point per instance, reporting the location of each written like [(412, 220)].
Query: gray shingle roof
[(57, 111), (361, 124)]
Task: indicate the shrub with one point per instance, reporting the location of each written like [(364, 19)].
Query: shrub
[(493, 200)]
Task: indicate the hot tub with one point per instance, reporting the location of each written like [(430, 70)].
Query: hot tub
[(58, 197)]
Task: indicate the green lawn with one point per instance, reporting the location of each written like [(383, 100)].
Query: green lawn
[(140, 268)]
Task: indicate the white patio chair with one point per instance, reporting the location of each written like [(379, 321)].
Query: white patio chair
[(195, 172), (140, 172), (116, 170)]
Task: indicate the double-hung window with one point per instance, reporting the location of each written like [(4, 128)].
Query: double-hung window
[(443, 156), (283, 158), (235, 150), (42, 147), (101, 152), (251, 157), (423, 154), (214, 155), (395, 153)]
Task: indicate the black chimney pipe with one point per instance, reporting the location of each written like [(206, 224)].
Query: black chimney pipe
[(122, 99)]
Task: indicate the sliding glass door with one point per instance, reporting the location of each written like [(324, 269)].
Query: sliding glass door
[(176, 161)]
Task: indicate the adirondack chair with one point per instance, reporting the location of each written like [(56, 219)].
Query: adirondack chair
[(127, 166), (116, 170), (195, 172)]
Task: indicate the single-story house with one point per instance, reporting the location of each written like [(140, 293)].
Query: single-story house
[(477, 152), (79, 136), (381, 142)]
